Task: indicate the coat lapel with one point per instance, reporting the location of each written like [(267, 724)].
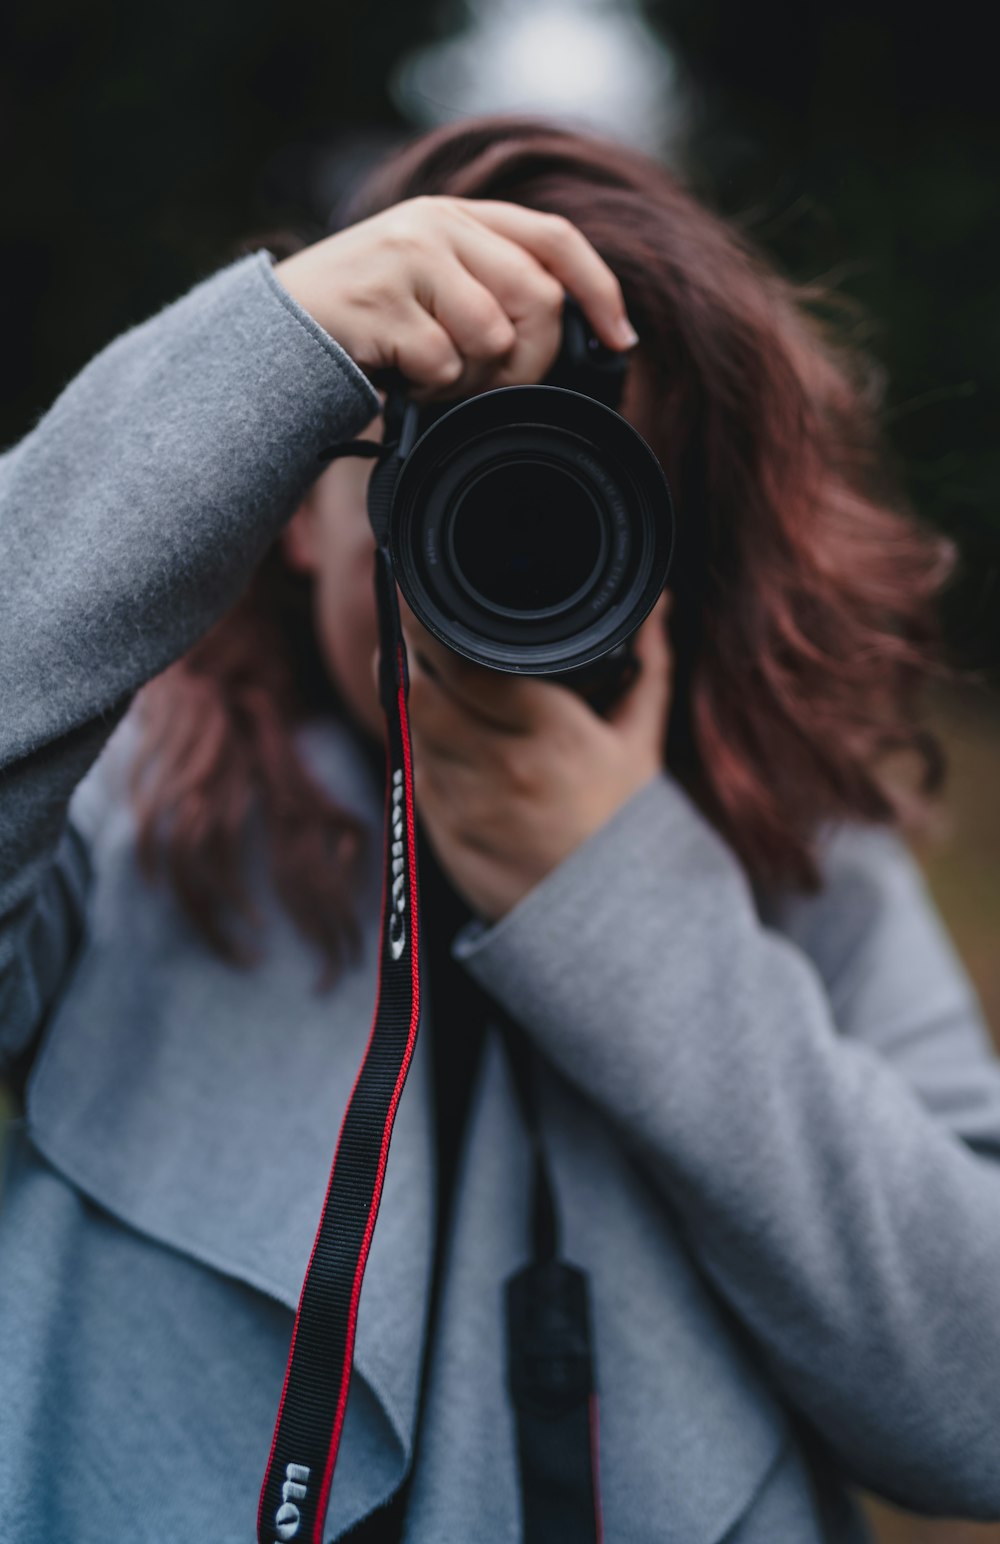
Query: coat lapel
[(689, 1429), (201, 1103)]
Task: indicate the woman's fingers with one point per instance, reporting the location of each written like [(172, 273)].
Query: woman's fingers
[(563, 249), (481, 333), (457, 294), (531, 297), (644, 710)]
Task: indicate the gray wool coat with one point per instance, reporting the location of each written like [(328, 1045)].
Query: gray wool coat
[(774, 1130)]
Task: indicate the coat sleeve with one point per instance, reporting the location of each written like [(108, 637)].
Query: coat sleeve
[(131, 518), (819, 1103)]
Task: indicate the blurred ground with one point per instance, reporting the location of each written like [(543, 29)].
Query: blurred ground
[(962, 864)]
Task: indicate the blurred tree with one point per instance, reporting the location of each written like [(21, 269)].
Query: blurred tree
[(858, 143)]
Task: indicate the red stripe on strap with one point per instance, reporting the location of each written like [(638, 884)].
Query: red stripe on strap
[(387, 1130)]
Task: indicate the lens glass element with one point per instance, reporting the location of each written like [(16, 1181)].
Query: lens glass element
[(525, 536)]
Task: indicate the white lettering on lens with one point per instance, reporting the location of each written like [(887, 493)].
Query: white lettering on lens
[(287, 1517), (397, 926)]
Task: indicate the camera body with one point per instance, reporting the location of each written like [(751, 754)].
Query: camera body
[(531, 528)]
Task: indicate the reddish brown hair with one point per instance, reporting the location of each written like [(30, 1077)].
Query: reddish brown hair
[(803, 622)]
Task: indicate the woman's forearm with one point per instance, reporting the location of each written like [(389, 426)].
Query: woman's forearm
[(823, 1184), (131, 518)]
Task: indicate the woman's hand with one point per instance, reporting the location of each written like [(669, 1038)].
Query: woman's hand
[(511, 773), (461, 295)]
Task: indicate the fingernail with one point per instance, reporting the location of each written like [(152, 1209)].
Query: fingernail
[(627, 333)]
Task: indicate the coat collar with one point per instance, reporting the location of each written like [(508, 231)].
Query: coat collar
[(126, 1100)]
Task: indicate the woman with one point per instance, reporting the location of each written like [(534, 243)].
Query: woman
[(770, 1106)]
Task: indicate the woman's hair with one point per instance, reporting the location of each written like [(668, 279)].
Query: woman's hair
[(803, 622)]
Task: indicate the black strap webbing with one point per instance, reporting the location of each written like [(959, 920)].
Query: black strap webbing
[(296, 1488), (550, 1366), (548, 1325)]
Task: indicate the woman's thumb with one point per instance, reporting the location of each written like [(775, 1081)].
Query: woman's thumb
[(645, 706)]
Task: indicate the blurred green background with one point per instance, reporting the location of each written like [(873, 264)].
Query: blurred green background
[(858, 144)]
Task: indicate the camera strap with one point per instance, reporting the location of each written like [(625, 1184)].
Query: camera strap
[(296, 1488), (549, 1362), (550, 1366)]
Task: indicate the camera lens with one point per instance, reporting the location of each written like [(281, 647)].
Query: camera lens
[(531, 529), (526, 538)]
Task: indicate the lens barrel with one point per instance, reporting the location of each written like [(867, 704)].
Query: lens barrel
[(531, 530)]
